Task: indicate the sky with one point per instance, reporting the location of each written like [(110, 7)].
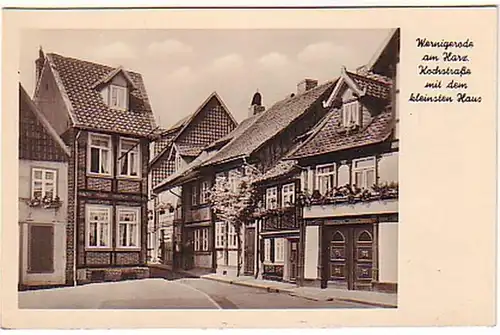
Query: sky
[(181, 68)]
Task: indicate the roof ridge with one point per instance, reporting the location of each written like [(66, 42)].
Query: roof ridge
[(111, 68)]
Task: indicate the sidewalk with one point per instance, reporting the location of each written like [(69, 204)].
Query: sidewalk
[(379, 299)]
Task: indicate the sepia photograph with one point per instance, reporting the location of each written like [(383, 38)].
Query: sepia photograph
[(208, 169), (249, 168)]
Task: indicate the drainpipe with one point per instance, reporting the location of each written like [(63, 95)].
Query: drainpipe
[(75, 217)]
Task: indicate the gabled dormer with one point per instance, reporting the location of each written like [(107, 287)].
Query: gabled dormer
[(359, 98), (115, 89)]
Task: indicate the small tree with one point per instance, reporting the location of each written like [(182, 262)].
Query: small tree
[(234, 200)]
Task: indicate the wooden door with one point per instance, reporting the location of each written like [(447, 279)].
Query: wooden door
[(249, 251), (294, 258), (350, 256)]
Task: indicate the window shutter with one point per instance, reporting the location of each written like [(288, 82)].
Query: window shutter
[(262, 251), (273, 247)]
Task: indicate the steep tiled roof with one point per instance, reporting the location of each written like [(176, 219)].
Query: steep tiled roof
[(268, 124), (330, 136), (282, 168), (77, 79), (191, 150), (376, 86), (236, 132)]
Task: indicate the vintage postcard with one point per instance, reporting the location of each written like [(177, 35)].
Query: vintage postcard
[(249, 167)]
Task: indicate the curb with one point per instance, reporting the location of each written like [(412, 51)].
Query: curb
[(294, 294)]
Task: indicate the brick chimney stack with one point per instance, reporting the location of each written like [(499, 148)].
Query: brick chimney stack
[(39, 63), (256, 105), (306, 85)]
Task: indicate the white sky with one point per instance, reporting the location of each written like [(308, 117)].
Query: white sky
[(182, 67)]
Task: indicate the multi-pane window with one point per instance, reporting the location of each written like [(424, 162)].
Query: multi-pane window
[(234, 180), (220, 234), (279, 250), (267, 250), (98, 226), (43, 183), (129, 158), (118, 97), (194, 195), (288, 195), (233, 237), (100, 154), (350, 113), (205, 186), (128, 227), (325, 178), (201, 239), (363, 171), (178, 162), (272, 198)]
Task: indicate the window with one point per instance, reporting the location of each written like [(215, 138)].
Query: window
[(363, 171), (288, 195), (271, 198), (233, 180), (220, 234), (128, 227), (98, 226), (118, 97), (204, 194), (129, 158), (350, 113), (194, 195), (43, 183), (267, 250), (233, 237), (201, 239), (100, 154), (325, 178), (178, 162), (279, 247)]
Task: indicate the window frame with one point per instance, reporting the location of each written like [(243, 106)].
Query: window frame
[(267, 251), (110, 153), (364, 170), (195, 199), (88, 209), (138, 230), (220, 234), (351, 115), (138, 161), (232, 236), (279, 250), (201, 239), (319, 174), (289, 192), (270, 195), (204, 189), (124, 90), (43, 181)]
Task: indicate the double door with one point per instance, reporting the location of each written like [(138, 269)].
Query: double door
[(349, 256)]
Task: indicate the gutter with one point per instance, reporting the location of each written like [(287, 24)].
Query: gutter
[(75, 217)]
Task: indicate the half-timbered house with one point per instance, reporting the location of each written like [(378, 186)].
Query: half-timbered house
[(104, 117), (351, 177), (175, 149)]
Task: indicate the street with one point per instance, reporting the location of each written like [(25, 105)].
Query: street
[(185, 293)]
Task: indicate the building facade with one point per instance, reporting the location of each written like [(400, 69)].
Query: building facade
[(351, 180), (104, 117), (176, 211), (43, 200)]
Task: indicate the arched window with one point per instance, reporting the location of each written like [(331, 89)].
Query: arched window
[(338, 237), (365, 237)]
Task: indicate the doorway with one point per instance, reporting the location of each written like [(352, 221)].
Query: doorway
[(348, 252), (293, 259)]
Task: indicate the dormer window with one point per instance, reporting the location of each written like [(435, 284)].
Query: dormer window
[(118, 97), (350, 114)]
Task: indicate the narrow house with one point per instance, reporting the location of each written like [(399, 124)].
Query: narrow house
[(175, 149), (103, 115), (43, 200), (351, 181)]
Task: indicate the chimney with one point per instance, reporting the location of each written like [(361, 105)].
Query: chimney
[(256, 105), (39, 63), (305, 85)]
